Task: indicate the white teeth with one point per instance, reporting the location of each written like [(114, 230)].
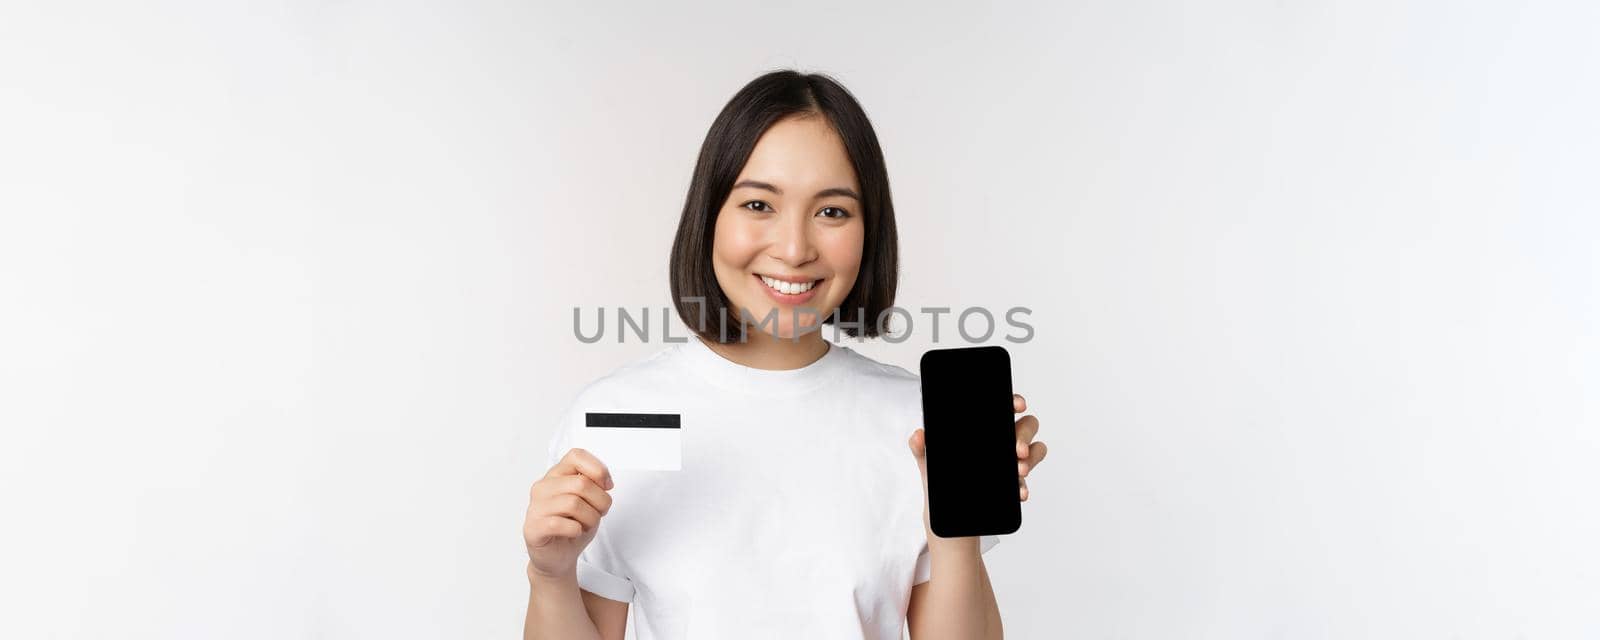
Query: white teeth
[(790, 288)]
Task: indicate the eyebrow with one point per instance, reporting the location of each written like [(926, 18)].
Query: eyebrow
[(830, 191)]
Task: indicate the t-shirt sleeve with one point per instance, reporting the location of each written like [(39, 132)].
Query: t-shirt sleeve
[(925, 562), (599, 569)]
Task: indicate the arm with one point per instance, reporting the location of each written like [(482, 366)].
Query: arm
[(564, 512), (959, 602), (558, 608)]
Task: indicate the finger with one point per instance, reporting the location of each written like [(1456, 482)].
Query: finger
[(549, 489), (552, 527), (585, 488), (1036, 453), (1019, 404), (582, 462), (571, 506), (1027, 428), (1022, 491), (918, 443)]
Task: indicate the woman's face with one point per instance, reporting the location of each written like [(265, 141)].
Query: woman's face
[(790, 234)]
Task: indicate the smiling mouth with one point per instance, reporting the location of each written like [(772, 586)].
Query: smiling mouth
[(788, 288)]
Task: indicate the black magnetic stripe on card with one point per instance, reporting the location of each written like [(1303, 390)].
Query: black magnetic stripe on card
[(632, 420)]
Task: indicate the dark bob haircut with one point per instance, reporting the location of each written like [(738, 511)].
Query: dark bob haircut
[(700, 301)]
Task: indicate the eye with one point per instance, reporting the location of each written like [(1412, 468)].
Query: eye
[(839, 213), (759, 206)]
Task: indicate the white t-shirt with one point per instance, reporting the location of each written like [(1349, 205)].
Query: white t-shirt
[(798, 509)]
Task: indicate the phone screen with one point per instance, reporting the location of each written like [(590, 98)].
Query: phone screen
[(971, 438)]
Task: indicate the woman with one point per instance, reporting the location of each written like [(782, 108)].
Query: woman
[(797, 512)]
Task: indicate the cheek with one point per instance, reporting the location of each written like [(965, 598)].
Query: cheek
[(733, 243), (842, 251)]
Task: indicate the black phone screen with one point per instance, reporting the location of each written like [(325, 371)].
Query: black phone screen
[(971, 441)]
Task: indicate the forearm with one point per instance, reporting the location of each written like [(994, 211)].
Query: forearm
[(960, 603), (556, 611)]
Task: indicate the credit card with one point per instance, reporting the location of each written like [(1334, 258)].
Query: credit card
[(634, 441)]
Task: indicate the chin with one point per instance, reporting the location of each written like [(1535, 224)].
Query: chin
[(786, 328)]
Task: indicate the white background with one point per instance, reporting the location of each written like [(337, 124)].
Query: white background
[(287, 297)]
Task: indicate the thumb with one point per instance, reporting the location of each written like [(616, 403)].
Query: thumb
[(919, 450)]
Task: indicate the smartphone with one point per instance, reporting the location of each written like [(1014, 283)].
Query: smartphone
[(971, 437)]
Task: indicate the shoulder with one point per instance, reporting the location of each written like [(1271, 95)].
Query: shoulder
[(870, 368), (892, 382), (658, 371)]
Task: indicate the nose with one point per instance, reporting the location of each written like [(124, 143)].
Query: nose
[(792, 243)]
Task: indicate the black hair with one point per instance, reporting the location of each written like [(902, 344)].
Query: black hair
[(760, 104)]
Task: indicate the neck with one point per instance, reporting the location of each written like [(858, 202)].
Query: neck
[(761, 350)]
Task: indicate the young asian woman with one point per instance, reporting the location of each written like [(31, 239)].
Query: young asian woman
[(798, 512)]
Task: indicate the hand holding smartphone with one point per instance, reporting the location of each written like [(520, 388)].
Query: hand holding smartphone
[(971, 442)]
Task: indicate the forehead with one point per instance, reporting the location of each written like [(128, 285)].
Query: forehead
[(803, 152)]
